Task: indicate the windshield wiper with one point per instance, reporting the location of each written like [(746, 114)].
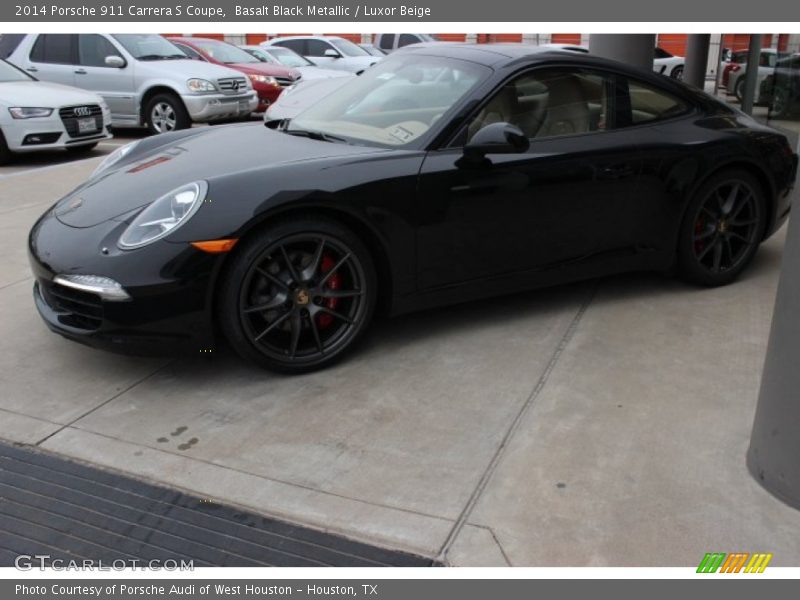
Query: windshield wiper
[(315, 135), (161, 56)]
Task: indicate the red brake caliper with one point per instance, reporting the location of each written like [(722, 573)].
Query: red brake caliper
[(334, 283)]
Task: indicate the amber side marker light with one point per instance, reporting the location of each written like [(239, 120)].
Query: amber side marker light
[(215, 246)]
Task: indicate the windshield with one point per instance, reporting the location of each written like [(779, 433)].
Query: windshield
[(289, 58), (225, 53), (259, 54), (393, 103), (348, 48), (148, 46), (10, 73)]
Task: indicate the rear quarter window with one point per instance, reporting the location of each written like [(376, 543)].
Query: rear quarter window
[(652, 104)]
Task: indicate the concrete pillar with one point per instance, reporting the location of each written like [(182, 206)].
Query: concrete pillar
[(774, 454), (751, 75), (694, 73), (632, 48)]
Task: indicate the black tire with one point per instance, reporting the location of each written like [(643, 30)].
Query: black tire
[(278, 305), (82, 149), (677, 72), (5, 153), (781, 103), (166, 112), (738, 90), (722, 228)]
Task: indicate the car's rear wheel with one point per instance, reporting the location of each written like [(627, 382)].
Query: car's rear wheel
[(165, 112), (780, 103), (722, 229), (738, 91), (298, 294), (677, 72)]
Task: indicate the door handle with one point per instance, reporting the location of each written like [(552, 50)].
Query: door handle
[(32, 69), (80, 71), (615, 172)]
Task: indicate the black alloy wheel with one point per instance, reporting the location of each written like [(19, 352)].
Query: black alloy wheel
[(299, 295), (722, 229)]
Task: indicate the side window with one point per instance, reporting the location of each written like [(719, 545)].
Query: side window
[(317, 47), (648, 103), (93, 50), (551, 102), (406, 39), (57, 48), (386, 42), (298, 46), (9, 43)]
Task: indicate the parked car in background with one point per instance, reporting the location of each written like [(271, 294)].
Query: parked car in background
[(329, 52), (781, 88), (267, 79), (668, 64), (372, 50), (389, 42), (278, 55), (767, 60), (36, 115), (144, 79)]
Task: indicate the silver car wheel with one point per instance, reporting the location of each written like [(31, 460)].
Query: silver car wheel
[(163, 117)]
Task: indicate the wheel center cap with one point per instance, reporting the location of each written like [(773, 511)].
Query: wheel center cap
[(301, 297), (723, 226)]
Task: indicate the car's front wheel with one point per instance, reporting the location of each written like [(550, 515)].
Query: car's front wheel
[(298, 294), (165, 112), (722, 228), (677, 72)]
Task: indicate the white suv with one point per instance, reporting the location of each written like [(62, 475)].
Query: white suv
[(328, 51), (144, 79)]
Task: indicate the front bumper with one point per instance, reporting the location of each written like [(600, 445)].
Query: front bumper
[(215, 107), (47, 133), (170, 306)]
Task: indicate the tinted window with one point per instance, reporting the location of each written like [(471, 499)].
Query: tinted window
[(93, 50), (348, 48), (386, 42), (298, 46), (190, 52), (317, 47), (661, 53), (406, 39), (651, 104), (9, 43), (53, 48), (550, 102)]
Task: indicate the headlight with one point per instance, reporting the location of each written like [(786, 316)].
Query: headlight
[(200, 85), (29, 112), (113, 158), (263, 79), (164, 215)]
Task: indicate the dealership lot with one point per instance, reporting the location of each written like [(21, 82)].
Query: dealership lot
[(603, 423)]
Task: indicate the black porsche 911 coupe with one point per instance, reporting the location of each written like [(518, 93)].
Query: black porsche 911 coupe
[(441, 175)]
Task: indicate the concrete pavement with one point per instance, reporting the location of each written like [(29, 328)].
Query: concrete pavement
[(603, 423)]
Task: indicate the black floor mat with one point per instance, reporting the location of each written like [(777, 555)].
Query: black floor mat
[(71, 512)]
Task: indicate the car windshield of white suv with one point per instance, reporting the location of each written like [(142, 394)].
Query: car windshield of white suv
[(348, 48), (9, 73), (391, 104), (289, 58), (225, 53), (149, 46)]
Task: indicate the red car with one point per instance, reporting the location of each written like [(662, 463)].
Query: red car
[(268, 79)]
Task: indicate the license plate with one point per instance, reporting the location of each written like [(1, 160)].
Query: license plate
[(87, 125), (244, 105)]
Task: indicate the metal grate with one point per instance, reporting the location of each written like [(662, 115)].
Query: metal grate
[(232, 85), (71, 115), (49, 505), (79, 309)]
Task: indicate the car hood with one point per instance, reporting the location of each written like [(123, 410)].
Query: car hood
[(211, 153), (40, 93), (186, 68), (305, 93), (264, 69)]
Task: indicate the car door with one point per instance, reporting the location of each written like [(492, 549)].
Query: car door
[(52, 58), (565, 199), (114, 84)]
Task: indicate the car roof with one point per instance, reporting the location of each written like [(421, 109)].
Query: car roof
[(306, 37)]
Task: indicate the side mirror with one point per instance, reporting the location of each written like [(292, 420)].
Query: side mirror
[(331, 53), (117, 62), (497, 138)]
